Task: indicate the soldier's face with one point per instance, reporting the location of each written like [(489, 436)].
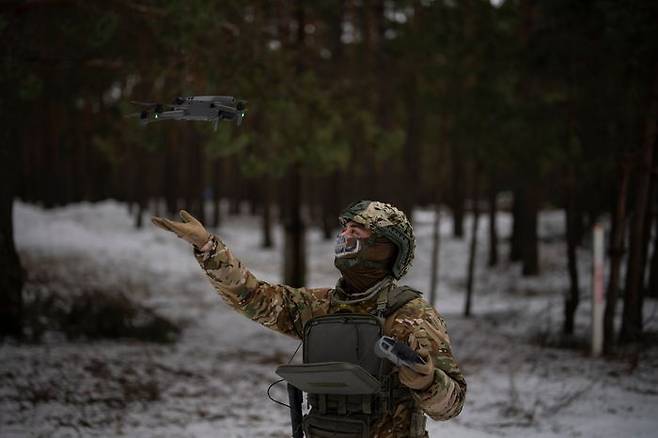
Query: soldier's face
[(354, 230), (349, 240)]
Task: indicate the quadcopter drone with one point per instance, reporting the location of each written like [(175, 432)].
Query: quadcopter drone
[(204, 108)]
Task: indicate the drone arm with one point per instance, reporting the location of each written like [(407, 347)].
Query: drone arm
[(174, 114)]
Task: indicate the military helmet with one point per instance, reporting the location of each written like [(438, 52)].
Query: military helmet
[(387, 221)]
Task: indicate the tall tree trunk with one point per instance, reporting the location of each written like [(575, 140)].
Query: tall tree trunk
[(457, 190), (11, 273), (295, 230), (331, 191), (616, 254), (437, 197), (195, 177), (415, 125), (253, 196), (203, 190), (529, 242), (573, 297), (139, 178), (415, 121), (331, 205), (652, 288), (436, 245), (493, 228), (470, 276), (216, 178), (294, 227), (648, 223), (267, 214), (517, 225), (371, 57), (170, 175), (15, 118), (234, 204), (236, 188), (631, 328)]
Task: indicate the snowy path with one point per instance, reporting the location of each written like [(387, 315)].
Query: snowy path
[(212, 382)]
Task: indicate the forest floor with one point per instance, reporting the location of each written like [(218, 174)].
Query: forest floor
[(523, 380)]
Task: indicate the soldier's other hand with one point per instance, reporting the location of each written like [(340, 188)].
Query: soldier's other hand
[(190, 230), (421, 377)]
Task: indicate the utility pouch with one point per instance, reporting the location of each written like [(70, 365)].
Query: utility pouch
[(344, 337), (330, 426)]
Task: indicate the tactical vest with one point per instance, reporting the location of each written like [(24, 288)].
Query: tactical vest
[(348, 387)]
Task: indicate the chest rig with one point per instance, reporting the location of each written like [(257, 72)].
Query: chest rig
[(348, 388)]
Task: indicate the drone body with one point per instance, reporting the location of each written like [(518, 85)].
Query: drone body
[(203, 108)]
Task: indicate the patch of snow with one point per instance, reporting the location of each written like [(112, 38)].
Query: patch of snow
[(212, 382)]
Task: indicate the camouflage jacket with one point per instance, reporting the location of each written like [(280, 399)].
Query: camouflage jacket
[(286, 309)]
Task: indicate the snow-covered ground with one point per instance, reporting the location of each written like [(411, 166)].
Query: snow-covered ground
[(213, 381)]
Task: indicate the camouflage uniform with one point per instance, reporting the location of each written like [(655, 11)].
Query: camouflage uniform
[(286, 310)]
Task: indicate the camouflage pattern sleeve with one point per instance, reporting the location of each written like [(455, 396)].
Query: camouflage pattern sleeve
[(421, 327), (278, 307)]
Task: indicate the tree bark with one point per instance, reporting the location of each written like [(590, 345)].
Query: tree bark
[(170, 175), (652, 287), (470, 276), (195, 177), (529, 242), (216, 178), (517, 226), (457, 183), (11, 272), (268, 242), (648, 222), (493, 228), (616, 254), (331, 205), (294, 227), (436, 245), (415, 122), (140, 177), (415, 125), (236, 188), (631, 328), (573, 297)]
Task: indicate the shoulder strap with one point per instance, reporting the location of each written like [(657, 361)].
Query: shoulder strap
[(398, 297)]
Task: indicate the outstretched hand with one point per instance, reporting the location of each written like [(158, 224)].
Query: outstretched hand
[(190, 230)]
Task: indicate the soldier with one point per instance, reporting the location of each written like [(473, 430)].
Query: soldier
[(374, 249)]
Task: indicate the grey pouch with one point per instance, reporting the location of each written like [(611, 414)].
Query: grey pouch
[(349, 338)]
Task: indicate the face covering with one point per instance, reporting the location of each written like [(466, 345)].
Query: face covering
[(363, 268)]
